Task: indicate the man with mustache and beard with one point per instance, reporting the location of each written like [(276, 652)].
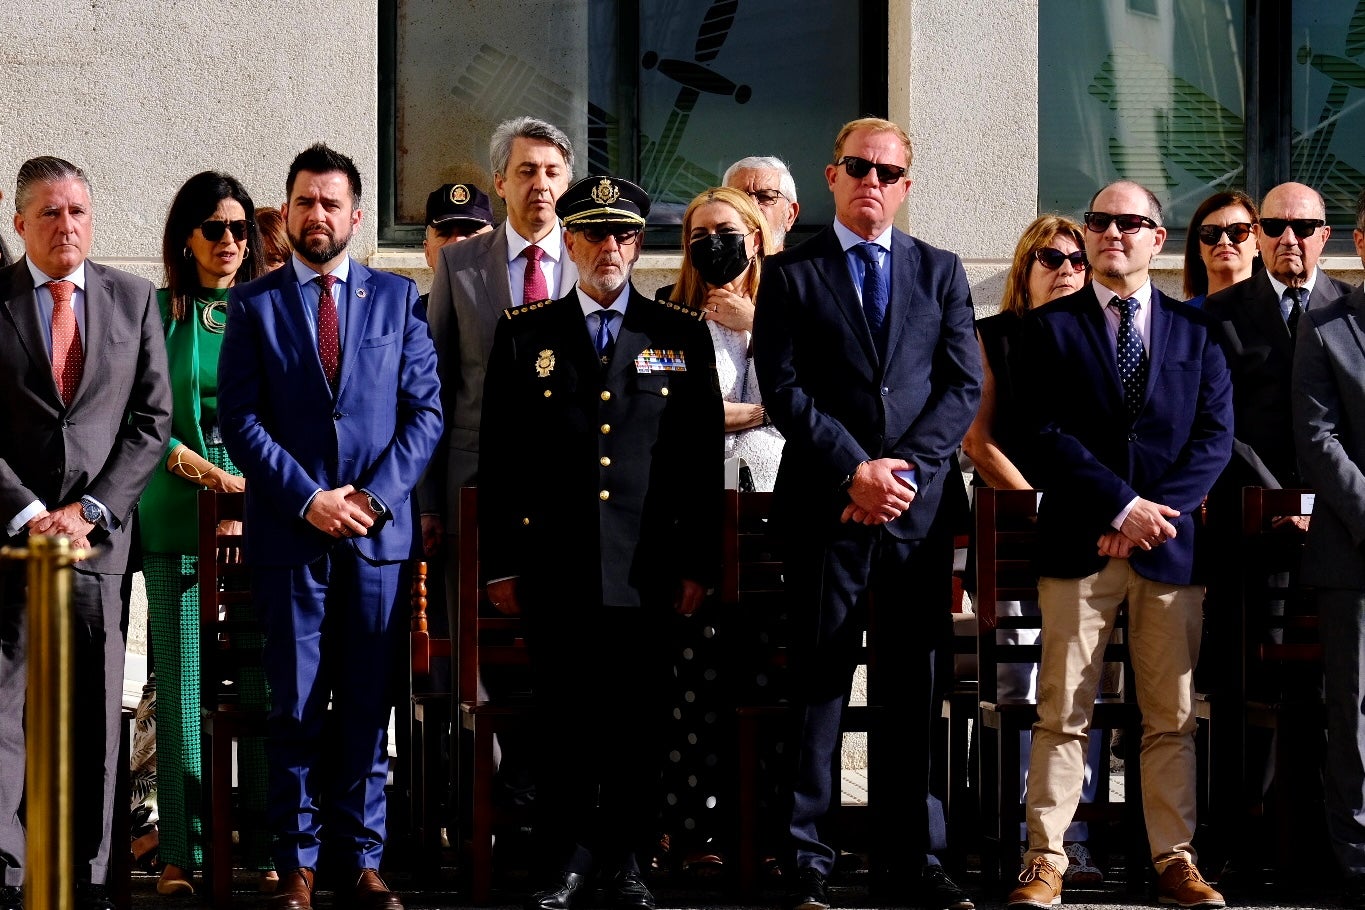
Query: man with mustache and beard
[(329, 403), (599, 512)]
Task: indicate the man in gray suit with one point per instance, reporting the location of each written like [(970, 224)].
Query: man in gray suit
[(520, 261), (86, 406), (1328, 397)]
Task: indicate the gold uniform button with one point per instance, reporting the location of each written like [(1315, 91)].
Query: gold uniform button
[(606, 396), (605, 461), (606, 428), (526, 521), (604, 495), (664, 391), (548, 393)]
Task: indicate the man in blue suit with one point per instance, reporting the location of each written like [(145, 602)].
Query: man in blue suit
[(329, 403), (1132, 424), (868, 364)]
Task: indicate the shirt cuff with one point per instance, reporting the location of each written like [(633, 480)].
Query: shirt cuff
[(1117, 523), (303, 513), (17, 523)]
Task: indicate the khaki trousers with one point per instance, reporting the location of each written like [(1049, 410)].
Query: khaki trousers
[(1164, 625)]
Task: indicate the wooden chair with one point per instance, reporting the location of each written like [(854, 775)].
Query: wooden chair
[(230, 644), (430, 718), (485, 639), (1281, 674), (1006, 542)]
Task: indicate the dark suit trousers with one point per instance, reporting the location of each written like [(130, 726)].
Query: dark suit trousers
[(100, 605), (900, 591), (600, 677), (333, 635), (1342, 614)]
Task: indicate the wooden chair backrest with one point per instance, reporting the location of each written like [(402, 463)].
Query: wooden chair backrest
[(230, 635), (483, 636)]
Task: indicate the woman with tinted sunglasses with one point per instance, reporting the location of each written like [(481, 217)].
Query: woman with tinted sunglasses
[(209, 244), (1220, 248), (1049, 262)]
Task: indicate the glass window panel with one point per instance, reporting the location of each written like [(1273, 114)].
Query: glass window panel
[(1150, 91), (1327, 69)]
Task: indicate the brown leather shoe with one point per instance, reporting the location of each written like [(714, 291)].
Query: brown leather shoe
[(372, 894), (1182, 885), (1040, 886), (295, 892)]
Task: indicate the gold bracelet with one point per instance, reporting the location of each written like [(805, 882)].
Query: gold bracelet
[(187, 470)]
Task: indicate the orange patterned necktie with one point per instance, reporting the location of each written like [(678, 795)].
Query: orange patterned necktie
[(68, 357)]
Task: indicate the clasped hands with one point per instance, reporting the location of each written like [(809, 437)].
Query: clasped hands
[(876, 495), (1144, 528), (66, 521), (343, 512)]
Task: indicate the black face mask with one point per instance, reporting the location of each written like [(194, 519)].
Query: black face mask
[(719, 258)]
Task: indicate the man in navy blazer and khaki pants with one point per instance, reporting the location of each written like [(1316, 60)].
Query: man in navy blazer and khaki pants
[(329, 402), (1132, 410), (866, 357)]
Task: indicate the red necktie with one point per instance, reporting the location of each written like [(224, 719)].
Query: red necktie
[(68, 357), (329, 345), (534, 287)]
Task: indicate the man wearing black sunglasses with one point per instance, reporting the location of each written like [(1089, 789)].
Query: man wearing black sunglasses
[(600, 479), (869, 366), (1131, 425)]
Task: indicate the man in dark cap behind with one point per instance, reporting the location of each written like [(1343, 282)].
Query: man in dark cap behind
[(455, 212), (599, 511)]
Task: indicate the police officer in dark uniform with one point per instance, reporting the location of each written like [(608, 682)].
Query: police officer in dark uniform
[(599, 512)]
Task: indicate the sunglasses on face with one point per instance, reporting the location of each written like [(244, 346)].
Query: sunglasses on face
[(857, 168), (1303, 227), (770, 197), (213, 230), (1127, 224), (598, 235), (1210, 233), (1052, 259)]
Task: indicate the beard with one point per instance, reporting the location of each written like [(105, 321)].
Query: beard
[(602, 282), (319, 249)]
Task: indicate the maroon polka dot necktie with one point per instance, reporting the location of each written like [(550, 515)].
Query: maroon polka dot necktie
[(68, 357), (329, 345)]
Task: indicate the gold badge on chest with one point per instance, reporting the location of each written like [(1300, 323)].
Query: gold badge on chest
[(545, 363)]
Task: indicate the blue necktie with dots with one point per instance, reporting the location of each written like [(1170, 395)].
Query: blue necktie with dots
[(875, 287), (604, 340), (1132, 357)]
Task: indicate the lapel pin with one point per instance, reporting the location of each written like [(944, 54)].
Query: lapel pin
[(360, 292)]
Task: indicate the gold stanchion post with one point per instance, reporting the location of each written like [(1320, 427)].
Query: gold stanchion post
[(48, 883)]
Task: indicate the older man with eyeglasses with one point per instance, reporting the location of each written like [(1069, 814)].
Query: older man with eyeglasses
[(1130, 425), (769, 183)]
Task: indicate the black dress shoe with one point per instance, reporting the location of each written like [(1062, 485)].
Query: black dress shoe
[(92, 897), (809, 892), (571, 890), (628, 892), (11, 898), (939, 892)]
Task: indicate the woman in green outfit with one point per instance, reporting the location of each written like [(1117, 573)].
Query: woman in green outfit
[(211, 242)]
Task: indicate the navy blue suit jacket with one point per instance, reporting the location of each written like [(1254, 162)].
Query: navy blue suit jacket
[(836, 402), (1091, 460), (291, 437)]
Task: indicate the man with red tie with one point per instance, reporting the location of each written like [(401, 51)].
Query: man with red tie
[(329, 403), (86, 407)]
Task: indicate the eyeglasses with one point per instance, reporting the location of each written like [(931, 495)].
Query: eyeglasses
[(1303, 227), (858, 167), (1127, 224), (1052, 259), (1210, 233), (598, 235), (770, 197), (213, 230)]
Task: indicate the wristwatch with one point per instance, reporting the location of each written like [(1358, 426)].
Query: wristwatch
[(376, 506), (848, 481), (91, 511)]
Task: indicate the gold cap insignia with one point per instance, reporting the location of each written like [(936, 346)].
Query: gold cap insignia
[(605, 193), (545, 364), (459, 194)]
